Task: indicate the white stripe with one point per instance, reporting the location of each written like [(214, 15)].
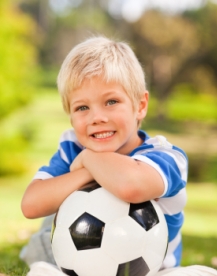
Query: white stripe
[(63, 156), (170, 259), (42, 175), (177, 156), (174, 244), (155, 166), (175, 204), (159, 141), (161, 144), (68, 135)]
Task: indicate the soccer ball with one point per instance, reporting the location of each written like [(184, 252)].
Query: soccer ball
[(96, 234)]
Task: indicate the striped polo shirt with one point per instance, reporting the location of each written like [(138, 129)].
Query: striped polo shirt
[(170, 161)]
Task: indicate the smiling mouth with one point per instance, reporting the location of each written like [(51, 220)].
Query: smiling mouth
[(103, 135)]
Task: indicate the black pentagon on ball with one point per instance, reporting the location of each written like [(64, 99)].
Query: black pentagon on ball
[(89, 187), (69, 272), (87, 232), (144, 214), (137, 267)]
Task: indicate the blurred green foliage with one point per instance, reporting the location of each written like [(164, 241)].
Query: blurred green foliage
[(179, 56), (202, 168), (18, 58), (18, 67), (178, 53)]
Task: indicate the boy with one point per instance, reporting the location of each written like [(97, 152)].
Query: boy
[(103, 90)]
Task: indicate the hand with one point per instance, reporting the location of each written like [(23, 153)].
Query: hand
[(77, 163)]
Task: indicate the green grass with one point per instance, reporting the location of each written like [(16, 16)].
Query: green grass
[(200, 227), (201, 210), (10, 264), (199, 250), (46, 118)]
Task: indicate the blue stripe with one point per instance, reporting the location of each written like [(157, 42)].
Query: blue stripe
[(57, 166), (174, 224), (144, 136), (71, 150), (143, 147), (170, 170)]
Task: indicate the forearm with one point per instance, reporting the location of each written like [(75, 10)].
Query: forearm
[(128, 179), (43, 197)]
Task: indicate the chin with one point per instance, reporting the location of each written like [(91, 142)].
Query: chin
[(104, 149)]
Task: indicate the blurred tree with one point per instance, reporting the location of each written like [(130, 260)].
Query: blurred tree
[(177, 49), (17, 71), (66, 24), (166, 45), (205, 74), (18, 58)]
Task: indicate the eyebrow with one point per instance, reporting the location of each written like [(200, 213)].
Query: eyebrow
[(110, 92), (78, 102), (84, 100)]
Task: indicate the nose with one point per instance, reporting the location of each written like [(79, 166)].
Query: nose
[(98, 116)]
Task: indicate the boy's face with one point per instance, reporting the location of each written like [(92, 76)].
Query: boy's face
[(103, 116)]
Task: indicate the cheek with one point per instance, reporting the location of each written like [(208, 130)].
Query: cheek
[(124, 121), (77, 123), (78, 126), (80, 133)]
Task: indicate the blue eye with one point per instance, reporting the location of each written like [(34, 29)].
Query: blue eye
[(82, 108), (111, 102)]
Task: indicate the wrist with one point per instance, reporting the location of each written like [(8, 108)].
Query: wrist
[(84, 155)]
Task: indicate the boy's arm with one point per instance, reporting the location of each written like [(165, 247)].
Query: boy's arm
[(130, 180), (43, 197)]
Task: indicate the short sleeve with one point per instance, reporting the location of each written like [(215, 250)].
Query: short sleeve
[(60, 162), (171, 164)]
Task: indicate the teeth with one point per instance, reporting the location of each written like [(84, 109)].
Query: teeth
[(103, 135)]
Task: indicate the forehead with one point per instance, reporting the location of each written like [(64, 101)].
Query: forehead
[(97, 85)]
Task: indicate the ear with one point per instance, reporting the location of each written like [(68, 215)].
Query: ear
[(143, 106)]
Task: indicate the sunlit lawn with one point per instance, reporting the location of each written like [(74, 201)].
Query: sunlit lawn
[(48, 121)]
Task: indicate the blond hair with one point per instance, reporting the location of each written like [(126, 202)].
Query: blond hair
[(100, 56)]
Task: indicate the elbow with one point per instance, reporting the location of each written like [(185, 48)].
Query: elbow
[(28, 209), (130, 194)]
